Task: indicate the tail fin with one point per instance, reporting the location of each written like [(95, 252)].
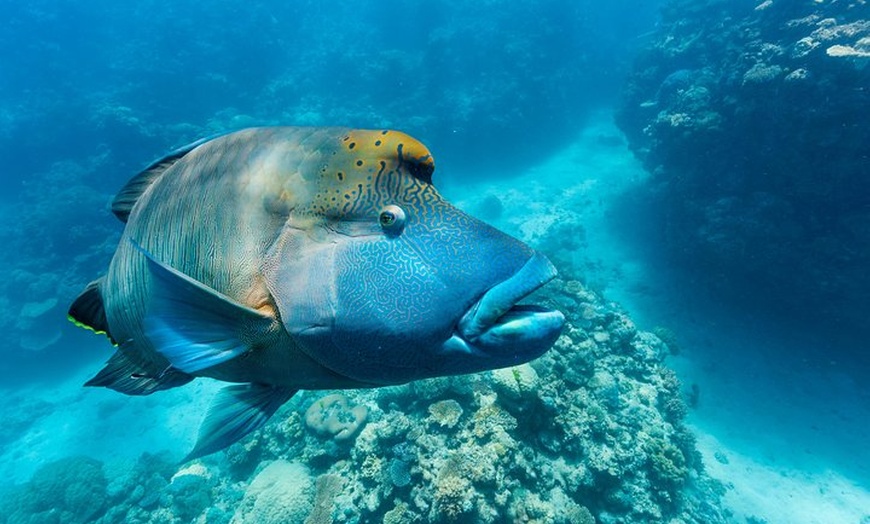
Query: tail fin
[(123, 374)]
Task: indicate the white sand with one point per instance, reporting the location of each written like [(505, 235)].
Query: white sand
[(782, 494)]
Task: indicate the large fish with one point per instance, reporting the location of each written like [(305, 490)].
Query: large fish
[(289, 258)]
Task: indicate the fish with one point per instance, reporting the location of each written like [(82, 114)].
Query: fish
[(280, 259)]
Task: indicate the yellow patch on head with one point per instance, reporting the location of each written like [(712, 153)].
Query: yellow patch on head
[(370, 148), (363, 170)]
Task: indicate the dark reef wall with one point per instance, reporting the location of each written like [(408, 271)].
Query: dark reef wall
[(754, 120)]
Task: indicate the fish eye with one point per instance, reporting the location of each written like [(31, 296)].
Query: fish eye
[(392, 219)]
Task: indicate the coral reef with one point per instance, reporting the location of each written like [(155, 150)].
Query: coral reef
[(752, 119), (591, 432), (41, 272), (72, 490), (445, 413)]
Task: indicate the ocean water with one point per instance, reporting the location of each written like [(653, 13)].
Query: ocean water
[(714, 367)]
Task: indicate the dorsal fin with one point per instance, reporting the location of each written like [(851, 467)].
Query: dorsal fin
[(130, 193)]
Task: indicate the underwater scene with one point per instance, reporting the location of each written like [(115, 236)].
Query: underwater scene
[(518, 261)]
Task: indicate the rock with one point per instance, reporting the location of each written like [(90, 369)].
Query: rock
[(515, 382)]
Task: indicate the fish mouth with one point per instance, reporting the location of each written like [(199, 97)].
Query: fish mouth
[(497, 326)]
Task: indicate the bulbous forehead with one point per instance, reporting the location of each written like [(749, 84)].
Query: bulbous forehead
[(386, 149), (366, 169)]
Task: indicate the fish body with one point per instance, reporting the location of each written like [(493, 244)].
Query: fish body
[(285, 258)]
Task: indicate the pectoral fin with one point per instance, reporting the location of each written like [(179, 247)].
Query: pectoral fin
[(235, 412), (194, 326)]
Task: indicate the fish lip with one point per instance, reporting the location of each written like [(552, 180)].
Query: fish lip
[(500, 302)]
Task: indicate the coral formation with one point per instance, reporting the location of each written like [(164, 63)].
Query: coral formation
[(327, 487), (752, 121), (71, 490), (445, 413), (190, 488), (41, 270), (331, 416), (591, 432), (281, 492)]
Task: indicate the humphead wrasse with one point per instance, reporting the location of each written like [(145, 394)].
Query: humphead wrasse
[(284, 258)]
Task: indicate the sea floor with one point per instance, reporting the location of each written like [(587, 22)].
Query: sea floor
[(783, 427), (65, 419), (781, 422)]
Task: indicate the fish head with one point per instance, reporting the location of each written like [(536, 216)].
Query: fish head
[(384, 281)]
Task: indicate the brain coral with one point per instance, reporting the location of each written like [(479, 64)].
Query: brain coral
[(279, 494), (332, 416)]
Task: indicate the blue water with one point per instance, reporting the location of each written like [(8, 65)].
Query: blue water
[(93, 93), (516, 100)]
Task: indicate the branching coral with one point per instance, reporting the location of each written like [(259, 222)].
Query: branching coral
[(445, 413), (667, 464), (327, 487), (453, 496)]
